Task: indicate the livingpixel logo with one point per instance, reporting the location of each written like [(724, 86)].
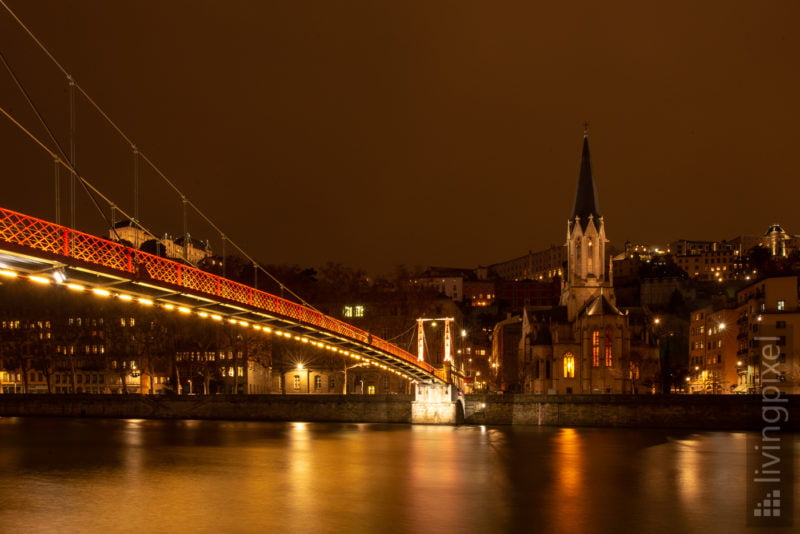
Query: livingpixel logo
[(770, 454), (770, 506)]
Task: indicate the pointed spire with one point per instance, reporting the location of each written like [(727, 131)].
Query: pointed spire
[(586, 196)]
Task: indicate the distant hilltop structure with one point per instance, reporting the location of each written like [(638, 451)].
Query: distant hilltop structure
[(182, 248)]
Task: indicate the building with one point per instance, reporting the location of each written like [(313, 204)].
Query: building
[(503, 362), (779, 242), (727, 341), (714, 361), (445, 280), (184, 248), (768, 320), (585, 344), (722, 262), (545, 264), (512, 295)]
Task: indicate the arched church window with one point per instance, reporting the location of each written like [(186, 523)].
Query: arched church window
[(609, 353), (596, 348), (578, 250), (569, 365)]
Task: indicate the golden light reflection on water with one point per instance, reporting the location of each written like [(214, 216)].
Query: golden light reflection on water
[(211, 476), (569, 473), (567, 509)]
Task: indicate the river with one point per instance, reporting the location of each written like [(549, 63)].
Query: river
[(97, 475)]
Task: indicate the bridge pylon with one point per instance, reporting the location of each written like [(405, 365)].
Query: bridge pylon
[(437, 404)]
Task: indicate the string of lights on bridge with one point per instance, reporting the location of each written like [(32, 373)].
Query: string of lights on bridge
[(59, 278)]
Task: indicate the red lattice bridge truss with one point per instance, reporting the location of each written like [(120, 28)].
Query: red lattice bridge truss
[(43, 251)]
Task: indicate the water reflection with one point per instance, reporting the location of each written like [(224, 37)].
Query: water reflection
[(206, 476)]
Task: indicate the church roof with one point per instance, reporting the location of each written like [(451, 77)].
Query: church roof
[(775, 228), (546, 313), (586, 196), (600, 305)]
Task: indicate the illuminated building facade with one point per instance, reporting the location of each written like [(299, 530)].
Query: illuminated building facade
[(184, 248), (545, 265), (713, 351)]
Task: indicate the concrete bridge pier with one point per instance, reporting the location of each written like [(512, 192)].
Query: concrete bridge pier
[(437, 404)]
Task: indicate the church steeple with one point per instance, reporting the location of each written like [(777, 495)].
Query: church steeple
[(586, 244), (586, 197)]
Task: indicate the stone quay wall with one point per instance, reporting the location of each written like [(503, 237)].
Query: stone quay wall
[(350, 408), (734, 412)]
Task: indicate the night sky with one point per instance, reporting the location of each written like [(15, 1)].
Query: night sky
[(417, 132)]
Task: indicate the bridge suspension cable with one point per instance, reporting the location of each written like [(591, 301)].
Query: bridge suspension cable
[(61, 162), (74, 85)]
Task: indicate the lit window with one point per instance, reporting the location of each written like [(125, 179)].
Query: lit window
[(348, 311), (358, 311), (317, 382), (596, 348), (781, 305), (370, 390), (609, 348), (297, 382), (569, 365)]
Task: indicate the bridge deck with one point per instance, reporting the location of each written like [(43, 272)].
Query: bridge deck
[(31, 245)]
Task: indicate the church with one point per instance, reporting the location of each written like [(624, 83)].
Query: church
[(586, 344)]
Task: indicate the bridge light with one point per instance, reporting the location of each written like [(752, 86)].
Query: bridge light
[(59, 276), (8, 274), (244, 323), (184, 310), (169, 307), (267, 330), (38, 279), (257, 327), (146, 302), (76, 287), (202, 314), (304, 339), (216, 317), (125, 297), (101, 292), (232, 321)]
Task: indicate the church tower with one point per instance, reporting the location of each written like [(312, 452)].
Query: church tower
[(587, 277)]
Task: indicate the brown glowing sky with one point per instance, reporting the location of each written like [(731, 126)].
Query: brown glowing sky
[(421, 132)]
